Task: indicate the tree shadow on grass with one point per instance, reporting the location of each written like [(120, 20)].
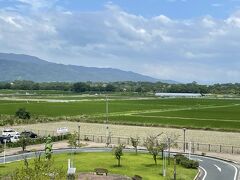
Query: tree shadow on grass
[(149, 165), (116, 166)]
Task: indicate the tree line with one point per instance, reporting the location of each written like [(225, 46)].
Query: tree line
[(128, 86)]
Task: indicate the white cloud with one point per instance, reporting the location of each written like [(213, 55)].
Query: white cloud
[(217, 4), (203, 49)]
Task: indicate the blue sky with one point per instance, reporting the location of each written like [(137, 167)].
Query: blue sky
[(182, 40)]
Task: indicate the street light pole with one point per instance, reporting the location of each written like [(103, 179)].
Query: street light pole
[(175, 170), (169, 141), (184, 140), (164, 164), (4, 152), (107, 128)]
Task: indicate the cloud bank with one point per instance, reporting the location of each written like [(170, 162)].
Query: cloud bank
[(203, 49)]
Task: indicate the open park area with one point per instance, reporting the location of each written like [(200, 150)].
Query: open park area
[(131, 164)]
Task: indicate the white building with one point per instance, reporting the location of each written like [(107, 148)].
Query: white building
[(178, 94)]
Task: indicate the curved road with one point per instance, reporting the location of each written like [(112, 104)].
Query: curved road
[(214, 169)]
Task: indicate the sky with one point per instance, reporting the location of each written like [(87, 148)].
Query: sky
[(181, 40)]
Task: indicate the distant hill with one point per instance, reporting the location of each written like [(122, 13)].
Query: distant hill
[(25, 67)]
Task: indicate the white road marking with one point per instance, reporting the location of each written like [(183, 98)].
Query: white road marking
[(219, 169), (236, 170), (205, 172)]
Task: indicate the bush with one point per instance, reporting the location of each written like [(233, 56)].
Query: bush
[(22, 114), (185, 162)]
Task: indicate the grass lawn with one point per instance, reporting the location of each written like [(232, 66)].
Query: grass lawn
[(132, 164)]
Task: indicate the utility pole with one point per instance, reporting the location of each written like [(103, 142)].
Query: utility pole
[(107, 128), (107, 109), (78, 135)]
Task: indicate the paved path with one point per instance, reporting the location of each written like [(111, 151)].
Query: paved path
[(214, 169)]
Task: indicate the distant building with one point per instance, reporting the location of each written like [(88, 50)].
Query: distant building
[(178, 94)]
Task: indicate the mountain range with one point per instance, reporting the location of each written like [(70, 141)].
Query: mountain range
[(25, 67)]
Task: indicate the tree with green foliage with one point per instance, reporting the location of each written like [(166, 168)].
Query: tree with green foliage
[(22, 113), (38, 169), (154, 147), (48, 148), (118, 153), (23, 141), (110, 88), (135, 142), (80, 87), (72, 140)]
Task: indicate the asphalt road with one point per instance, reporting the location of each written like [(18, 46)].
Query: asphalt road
[(214, 169)]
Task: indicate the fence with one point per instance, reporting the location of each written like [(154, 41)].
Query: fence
[(195, 146)]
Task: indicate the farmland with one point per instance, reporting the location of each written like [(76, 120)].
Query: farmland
[(203, 113)]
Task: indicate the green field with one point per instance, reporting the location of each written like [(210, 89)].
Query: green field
[(132, 164), (219, 114)]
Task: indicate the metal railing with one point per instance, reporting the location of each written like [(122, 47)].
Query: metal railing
[(195, 146)]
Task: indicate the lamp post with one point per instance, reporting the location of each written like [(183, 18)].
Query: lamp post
[(164, 164), (184, 140), (175, 169), (164, 157), (106, 122), (169, 144), (79, 135), (4, 151)]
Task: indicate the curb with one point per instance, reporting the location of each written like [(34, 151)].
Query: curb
[(198, 174)]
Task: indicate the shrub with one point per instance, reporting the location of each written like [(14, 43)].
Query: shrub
[(185, 162), (22, 114)]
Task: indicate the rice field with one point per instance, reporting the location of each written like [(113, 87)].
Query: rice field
[(199, 113)]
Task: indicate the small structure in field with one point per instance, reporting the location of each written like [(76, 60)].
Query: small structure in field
[(178, 94)]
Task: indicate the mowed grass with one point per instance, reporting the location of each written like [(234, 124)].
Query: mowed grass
[(132, 164), (221, 114)]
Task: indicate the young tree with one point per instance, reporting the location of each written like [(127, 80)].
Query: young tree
[(118, 153), (48, 148), (21, 113), (170, 141), (135, 142), (72, 140), (23, 142), (153, 146), (39, 169)]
